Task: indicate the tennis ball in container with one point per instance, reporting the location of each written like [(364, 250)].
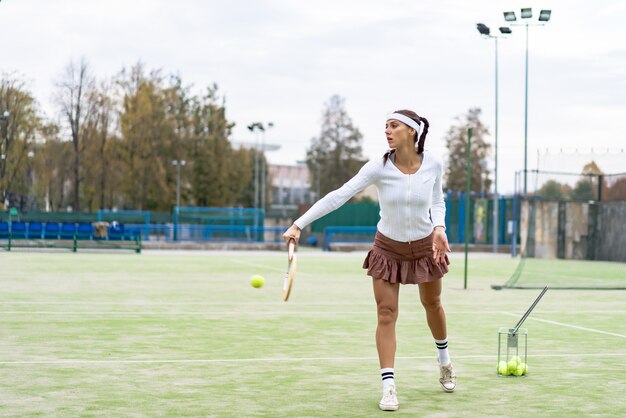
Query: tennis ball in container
[(524, 367), (257, 281), (517, 359), (503, 368), (512, 366)]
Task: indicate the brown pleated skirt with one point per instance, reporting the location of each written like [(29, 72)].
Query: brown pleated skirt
[(403, 262)]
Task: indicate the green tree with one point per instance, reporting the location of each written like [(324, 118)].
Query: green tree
[(336, 154), (244, 175), (97, 165), (583, 191), (146, 140), (551, 190), (456, 141), (586, 187), (178, 103), (214, 165), (18, 135)]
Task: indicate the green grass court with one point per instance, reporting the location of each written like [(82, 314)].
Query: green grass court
[(184, 334)]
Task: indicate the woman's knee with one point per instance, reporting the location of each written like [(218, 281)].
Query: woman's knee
[(387, 315), (432, 304)]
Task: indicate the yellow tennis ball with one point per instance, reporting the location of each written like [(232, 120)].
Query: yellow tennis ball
[(257, 281), (517, 359), (512, 366), (503, 368), (524, 367), (519, 370)]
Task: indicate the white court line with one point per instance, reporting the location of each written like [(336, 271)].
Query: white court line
[(570, 326), (285, 359), (231, 312), (239, 312), (285, 311), (9, 302)]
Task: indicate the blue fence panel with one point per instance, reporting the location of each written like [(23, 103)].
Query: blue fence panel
[(84, 231), (51, 230), (35, 230), (68, 230), (18, 229)]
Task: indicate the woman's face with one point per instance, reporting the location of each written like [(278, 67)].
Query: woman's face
[(398, 134)]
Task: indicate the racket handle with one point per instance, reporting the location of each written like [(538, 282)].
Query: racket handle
[(291, 248)]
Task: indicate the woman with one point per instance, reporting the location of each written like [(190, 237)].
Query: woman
[(410, 244)]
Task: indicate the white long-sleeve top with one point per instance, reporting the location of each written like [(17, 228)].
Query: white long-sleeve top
[(411, 205)]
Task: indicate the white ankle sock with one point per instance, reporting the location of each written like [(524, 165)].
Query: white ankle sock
[(442, 351), (387, 375)]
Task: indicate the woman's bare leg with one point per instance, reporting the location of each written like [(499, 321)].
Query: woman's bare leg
[(386, 295), (430, 296)]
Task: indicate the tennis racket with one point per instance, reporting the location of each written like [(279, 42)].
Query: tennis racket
[(291, 269)]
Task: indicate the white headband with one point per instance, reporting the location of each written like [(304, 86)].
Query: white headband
[(407, 120)]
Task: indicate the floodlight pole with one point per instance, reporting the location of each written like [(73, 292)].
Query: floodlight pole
[(177, 164), (263, 164), (544, 16), (496, 199), (484, 30), (254, 128), (526, 120)]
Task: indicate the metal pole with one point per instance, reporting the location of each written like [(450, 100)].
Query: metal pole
[(318, 166), (514, 232), (178, 184), (468, 188), (496, 238), (256, 170), (521, 321), (177, 164), (263, 168), (526, 119)]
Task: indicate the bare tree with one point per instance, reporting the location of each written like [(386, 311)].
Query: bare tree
[(73, 98)]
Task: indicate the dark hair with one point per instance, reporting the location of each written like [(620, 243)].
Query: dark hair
[(419, 141)]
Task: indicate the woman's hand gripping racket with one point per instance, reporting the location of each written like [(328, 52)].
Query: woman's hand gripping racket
[(291, 269)]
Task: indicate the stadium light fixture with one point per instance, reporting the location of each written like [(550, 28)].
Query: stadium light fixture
[(510, 16), (544, 15), (527, 13), (505, 30), (483, 29)]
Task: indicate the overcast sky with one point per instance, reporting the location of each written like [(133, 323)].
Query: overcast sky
[(280, 61)]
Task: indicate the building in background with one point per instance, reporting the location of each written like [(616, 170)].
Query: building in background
[(291, 188)]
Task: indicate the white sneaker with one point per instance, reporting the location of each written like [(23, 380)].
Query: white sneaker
[(448, 378), (389, 402)]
